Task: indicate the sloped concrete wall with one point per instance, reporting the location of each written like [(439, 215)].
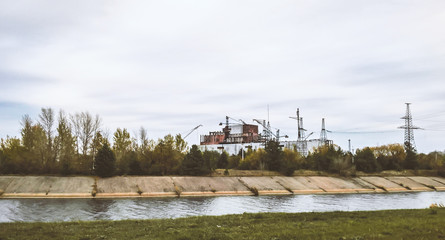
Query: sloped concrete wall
[(44, 186), (165, 186)]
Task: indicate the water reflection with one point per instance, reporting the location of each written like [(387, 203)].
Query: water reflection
[(46, 210)]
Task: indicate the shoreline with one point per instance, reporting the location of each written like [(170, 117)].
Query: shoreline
[(187, 186)]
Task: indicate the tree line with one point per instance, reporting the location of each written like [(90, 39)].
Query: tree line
[(75, 144)]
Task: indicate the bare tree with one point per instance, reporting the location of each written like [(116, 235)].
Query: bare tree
[(46, 120), (85, 128), (143, 137)]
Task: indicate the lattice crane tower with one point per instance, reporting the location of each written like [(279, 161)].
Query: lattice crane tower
[(323, 134)]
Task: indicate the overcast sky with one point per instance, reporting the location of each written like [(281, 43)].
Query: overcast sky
[(172, 65)]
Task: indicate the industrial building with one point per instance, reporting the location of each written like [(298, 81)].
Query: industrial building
[(242, 136)]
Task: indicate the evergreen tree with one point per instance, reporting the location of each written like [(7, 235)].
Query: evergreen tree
[(105, 162), (274, 155), (366, 161), (193, 163), (210, 159), (223, 160), (134, 163), (411, 160)]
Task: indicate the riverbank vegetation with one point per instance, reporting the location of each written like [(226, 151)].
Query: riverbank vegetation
[(394, 224), (74, 144)]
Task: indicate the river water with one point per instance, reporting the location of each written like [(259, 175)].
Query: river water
[(51, 210)]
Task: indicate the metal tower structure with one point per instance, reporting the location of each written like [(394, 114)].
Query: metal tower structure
[(323, 134), (301, 140), (302, 143), (300, 129), (409, 127)]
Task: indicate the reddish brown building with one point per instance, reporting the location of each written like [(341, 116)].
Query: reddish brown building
[(241, 133)]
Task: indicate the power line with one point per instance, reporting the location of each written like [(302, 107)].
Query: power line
[(430, 115), (434, 121), (434, 130), (362, 132)]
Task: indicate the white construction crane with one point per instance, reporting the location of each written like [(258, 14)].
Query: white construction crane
[(267, 130), (190, 132)]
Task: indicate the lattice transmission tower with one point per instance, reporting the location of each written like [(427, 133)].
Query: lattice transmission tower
[(409, 127)]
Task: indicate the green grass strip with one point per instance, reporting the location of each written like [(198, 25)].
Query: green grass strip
[(394, 224)]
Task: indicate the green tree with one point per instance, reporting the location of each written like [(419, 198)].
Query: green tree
[(390, 157), (274, 155), (12, 160), (234, 161), (105, 162), (166, 157), (193, 163), (223, 161), (35, 147), (254, 160), (180, 144), (328, 158), (98, 141), (366, 161), (430, 161), (121, 147), (291, 161), (411, 160), (134, 163), (65, 145), (210, 159)]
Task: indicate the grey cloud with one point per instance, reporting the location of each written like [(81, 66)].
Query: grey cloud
[(388, 73), (30, 21), (12, 80)]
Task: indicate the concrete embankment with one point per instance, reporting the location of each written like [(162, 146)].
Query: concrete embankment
[(178, 186)]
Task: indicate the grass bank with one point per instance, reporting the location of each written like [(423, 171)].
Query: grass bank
[(396, 224)]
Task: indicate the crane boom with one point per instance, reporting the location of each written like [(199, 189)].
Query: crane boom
[(266, 128), (190, 132)]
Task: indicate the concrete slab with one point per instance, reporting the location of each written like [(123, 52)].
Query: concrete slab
[(116, 187), (191, 186), (155, 186), (30, 184), (385, 184), (29, 187), (351, 185), (264, 185), (309, 184), (366, 185), (72, 187), (337, 185), (409, 184), (297, 186), (439, 179), (4, 182), (427, 181)]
